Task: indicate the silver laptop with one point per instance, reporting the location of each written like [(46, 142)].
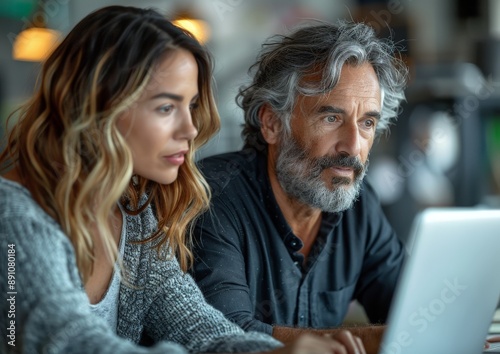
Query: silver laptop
[(450, 285)]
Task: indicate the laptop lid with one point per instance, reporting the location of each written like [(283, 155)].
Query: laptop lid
[(449, 287)]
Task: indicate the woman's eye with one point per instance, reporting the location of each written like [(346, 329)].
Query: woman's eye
[(166, 109), (193, 106)]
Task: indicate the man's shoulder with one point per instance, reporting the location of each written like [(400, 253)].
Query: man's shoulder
[(234, 170), (227, 162)]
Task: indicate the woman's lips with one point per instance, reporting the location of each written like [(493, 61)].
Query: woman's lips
[(175, 159)]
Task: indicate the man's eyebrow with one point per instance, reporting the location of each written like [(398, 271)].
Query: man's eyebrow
[(330, 109), (333, 109), (373, 114)]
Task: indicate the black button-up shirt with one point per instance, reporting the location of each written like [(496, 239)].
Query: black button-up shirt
[(247, 262)]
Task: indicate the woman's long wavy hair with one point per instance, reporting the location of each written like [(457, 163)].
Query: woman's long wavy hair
[(68, 149)]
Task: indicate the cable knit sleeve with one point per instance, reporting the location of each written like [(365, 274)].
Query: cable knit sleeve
[(191, 321), (166, 304), (163, 303)]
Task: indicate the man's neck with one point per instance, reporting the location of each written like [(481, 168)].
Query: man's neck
[(303, 219)]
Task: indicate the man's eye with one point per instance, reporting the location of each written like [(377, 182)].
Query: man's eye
[(165, 109), (369, 123), (331, 119)]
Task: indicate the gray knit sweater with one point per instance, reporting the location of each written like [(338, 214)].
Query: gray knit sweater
[(44, 307)]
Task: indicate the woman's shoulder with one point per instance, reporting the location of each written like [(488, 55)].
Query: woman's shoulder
[(33, 233), (16, 199), (18, 206)]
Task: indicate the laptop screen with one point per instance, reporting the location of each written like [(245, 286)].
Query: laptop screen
[(449, 287)]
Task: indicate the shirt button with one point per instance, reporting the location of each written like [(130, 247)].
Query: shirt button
[(301, 317), (293, 243), (296, 263)]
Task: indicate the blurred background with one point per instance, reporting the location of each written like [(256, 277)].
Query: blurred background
[(445, 148)]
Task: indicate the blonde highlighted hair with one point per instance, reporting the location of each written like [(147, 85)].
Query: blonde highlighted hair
[(68, 150)]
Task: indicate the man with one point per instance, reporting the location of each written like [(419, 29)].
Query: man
[(294, 233)]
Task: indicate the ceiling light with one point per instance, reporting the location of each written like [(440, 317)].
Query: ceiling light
[(35, 44)]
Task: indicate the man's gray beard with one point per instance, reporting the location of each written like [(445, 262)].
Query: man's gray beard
[(300, 177)]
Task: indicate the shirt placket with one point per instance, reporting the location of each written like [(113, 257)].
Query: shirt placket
[(303, 305)]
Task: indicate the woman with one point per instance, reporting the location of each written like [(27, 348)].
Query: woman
[(99, 191)]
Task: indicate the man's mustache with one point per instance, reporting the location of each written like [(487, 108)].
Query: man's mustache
[(329, 161)]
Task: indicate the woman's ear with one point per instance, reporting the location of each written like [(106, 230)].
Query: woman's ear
[(270, 125)]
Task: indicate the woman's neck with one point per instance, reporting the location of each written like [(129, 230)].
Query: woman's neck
[(15, 176)]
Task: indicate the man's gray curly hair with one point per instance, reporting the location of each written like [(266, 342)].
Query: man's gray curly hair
[(324, 49)]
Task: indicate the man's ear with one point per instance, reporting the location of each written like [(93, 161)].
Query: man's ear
[(270, 125)]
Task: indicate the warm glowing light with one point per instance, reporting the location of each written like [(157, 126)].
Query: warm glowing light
[(35, 44), (198, 28)]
